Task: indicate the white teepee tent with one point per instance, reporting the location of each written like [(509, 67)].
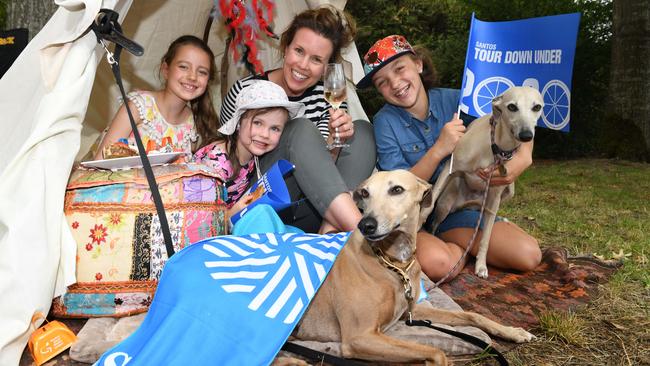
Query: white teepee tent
[(56, 98)]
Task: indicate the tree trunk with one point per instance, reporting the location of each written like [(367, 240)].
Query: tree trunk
[(30, 14), (630, 70)]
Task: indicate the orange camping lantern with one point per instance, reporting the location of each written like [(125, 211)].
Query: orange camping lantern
[(49, 340)]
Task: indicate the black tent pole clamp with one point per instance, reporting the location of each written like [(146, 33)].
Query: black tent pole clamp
[(107, 28)]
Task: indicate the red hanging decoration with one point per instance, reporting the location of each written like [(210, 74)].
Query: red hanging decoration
[(245, 21)]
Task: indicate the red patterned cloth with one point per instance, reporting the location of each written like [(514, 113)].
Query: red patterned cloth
[(560, 282)]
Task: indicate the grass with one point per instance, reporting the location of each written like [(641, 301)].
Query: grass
[(600, 207), (566, 327)]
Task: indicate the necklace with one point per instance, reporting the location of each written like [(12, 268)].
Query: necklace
[(257, 167)]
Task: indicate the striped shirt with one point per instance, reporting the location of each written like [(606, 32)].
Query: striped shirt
[(316, 107)]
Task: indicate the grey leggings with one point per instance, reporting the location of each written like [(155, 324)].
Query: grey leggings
[(317, 178)]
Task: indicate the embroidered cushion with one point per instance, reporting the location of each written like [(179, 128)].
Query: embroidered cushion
[(120, 247)]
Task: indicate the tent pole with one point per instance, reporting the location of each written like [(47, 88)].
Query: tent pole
[(223, 72)]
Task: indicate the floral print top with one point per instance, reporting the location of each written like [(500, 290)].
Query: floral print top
[(155, 127), (216, 159)]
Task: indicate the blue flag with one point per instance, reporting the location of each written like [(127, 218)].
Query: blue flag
[(536, 52), (270, 188), (229, 300)]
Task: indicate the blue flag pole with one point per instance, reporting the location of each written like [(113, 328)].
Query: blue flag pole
[(464, 86)]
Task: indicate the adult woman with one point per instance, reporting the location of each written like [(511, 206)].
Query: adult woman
[(416, 130), (313, 39)]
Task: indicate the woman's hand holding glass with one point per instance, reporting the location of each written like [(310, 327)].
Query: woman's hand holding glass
[(340, 126)]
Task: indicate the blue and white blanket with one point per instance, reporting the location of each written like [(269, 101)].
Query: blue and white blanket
[(229, 300)]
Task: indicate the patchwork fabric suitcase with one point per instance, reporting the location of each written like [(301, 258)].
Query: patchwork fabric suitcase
[(120, 247)]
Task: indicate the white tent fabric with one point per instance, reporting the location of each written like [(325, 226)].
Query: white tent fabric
[(54, 88)]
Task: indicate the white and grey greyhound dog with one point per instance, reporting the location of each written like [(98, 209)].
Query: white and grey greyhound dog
[(488, 142)]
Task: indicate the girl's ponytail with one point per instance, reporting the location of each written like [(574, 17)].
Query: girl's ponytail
[(206, 120)]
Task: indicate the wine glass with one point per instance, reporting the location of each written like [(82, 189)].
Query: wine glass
[(335, 94)]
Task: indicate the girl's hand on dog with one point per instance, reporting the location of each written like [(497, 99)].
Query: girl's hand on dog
[(450, 134), (497, 178), (521, 160)]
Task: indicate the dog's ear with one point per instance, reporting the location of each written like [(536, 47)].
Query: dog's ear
[(427, 199), (357, 197), (496, 106), (426, 202)]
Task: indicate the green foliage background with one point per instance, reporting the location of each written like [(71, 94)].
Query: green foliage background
[(443, 26), (3, 14)]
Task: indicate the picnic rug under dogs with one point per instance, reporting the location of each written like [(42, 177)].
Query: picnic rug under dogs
[(561, 282)]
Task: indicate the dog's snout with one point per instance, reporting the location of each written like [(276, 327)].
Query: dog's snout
[(526, 136), (368, 225)]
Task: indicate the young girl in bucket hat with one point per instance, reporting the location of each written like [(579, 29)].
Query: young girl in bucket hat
[(261, 111), (417, 129)]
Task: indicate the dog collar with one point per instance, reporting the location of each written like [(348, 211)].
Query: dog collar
[(401, 273), (500, 155)]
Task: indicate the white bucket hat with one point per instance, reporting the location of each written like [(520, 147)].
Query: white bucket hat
[(261, 94)]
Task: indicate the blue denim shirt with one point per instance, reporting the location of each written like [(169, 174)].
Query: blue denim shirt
[(402, 139)]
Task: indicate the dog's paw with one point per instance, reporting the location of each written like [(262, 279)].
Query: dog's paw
[(439, 359), (519, 335), (481, 271)]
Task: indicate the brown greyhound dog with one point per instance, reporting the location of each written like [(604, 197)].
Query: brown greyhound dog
[(364, 293)]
